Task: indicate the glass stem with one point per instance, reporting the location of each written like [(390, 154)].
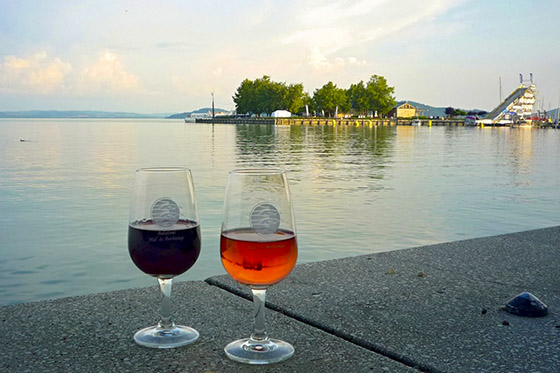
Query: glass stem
[(259, 329), (165, 310)]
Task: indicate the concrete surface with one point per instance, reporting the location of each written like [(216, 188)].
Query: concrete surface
[(434, 308), (93, 333)]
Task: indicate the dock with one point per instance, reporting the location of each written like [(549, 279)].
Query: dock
[(435, 308), (334, 122)]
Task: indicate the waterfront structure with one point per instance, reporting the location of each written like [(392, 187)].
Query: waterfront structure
[(517, 108), (208, 114), (281, 114), (405, 110)]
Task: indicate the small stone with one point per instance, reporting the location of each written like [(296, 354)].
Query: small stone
[(526, 304), (505, 323), (484, 311)]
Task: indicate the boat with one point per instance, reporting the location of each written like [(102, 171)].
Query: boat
[(416, 122), (471, 120)]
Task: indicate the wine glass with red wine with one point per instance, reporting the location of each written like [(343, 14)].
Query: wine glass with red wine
[(258, 248), (164, 241)]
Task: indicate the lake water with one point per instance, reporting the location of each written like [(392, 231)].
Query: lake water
[(65, 192)]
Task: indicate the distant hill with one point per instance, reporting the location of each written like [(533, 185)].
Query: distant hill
[(426, 110), (188, 113), (75, 114), (97, 114), (431, 111)]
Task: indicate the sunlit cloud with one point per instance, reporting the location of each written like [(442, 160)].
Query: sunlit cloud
[(217, 72), (42, 74), (319, 62), (38, 74), (328, 29), (329, 12), (107, 74), (355, 61)]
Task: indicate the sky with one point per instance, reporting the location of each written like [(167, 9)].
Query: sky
[(169, 56)]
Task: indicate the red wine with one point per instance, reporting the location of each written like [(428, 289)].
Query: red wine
[(160, 252)]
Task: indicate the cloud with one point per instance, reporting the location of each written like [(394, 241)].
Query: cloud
[(42, 74), (36, 74), (319, 62), (327, 29), (355, 61), (107, 74), (218, 72)]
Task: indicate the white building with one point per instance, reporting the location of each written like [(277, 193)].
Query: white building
[(281, 114)]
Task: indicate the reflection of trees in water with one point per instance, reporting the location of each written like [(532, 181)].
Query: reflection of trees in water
[(343, 153), (256, 144), (355, 153), (269, 145), (249, 135)]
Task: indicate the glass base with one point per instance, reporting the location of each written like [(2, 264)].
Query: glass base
[(157, 337), (250, 351)]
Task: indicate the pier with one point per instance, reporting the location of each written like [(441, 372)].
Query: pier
[(435, 308), (364, 122)]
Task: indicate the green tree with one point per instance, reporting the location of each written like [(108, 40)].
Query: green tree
[(263, 95), (295, 98), (328, 97), (307, 100), (245, 97), (357, 93), (379, 95), (258, 96), (269, 95)]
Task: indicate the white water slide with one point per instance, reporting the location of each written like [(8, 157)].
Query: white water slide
[(517, 107)]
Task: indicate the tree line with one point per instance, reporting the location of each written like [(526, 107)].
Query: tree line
[(264, 96)]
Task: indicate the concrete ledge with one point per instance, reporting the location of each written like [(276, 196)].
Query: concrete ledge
[(433, 308), (93, 333), (436, 307)]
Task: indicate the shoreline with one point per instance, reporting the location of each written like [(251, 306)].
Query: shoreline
[(360, 122)]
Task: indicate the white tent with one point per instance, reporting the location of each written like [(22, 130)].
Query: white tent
[(281, 114)]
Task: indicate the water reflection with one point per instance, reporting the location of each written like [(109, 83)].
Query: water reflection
[(521, 149), (325, 151), (64, 195)]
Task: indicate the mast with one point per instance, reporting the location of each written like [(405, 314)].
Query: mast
[(499, 102), (558, 112), (213, 113)]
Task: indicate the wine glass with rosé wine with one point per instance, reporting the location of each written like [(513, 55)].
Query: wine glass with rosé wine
[(258, 248), (163, 242)]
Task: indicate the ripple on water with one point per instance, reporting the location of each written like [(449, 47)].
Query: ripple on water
[(54, 282), (23, 272), (64, 205)]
